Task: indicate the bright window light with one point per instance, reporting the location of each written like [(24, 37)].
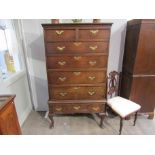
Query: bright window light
[(3, 44)]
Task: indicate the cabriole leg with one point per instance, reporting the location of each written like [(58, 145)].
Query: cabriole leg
[(101, 121), (52, 121)]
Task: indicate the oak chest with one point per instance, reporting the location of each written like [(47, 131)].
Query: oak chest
[(76, 60)]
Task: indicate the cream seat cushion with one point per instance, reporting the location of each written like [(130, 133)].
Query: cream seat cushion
[(123, 106)]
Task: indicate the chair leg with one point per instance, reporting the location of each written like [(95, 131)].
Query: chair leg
[(135, 119), (101, 121), (121, 126)]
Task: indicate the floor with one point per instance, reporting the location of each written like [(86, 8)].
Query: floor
[(85, 124)]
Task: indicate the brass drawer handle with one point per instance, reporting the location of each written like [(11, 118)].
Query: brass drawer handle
[(91, 93), (77, 73), (63, 94), (76, 88), (61, 48), (95, 108), (77, 43), (77, 57), (91, 77), (59, 32), (62, 78), (94, 31), (58, 109), (61, 63), (93, 48), (76, 107), (92, 63)]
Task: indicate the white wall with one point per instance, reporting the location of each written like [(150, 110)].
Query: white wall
[(34, 43), (18, 85)]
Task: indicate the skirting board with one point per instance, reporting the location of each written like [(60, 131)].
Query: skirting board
[(24, 115)]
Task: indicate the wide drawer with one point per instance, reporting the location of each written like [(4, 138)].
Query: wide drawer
[(76, 108), (59, 35), (77, 92), (78, 61), (76, 47), (94, 34), (75, 77)]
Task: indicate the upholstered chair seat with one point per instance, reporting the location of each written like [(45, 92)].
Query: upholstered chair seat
[(122, 106)]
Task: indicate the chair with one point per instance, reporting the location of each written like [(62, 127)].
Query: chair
[(121, 106)]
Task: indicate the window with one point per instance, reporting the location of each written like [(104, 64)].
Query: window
[(9, 52)]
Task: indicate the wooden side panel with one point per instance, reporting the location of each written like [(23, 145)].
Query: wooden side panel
[(143, 93), (9, 121), (131, 44), (126, 84), (145, 59)]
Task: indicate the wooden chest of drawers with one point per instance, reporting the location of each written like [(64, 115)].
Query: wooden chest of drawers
[(9, 124), (76, 60)]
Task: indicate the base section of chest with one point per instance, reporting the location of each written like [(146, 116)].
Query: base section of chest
[(81, 106)]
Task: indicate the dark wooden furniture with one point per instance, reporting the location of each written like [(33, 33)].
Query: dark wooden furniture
[(121, 106), (9, 124), (138, 75), (76, 60)]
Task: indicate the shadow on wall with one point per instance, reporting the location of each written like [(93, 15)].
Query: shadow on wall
[(37, 71), (41, 93), (37, 50), (116, 49), (122, 48)]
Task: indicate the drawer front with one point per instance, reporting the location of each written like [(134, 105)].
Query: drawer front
[(71, 77), (90, 61), (76, 47), (94, 34), (77, 108), (60, 35), (77, 92)]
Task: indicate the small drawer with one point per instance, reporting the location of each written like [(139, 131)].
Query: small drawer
[(60, 35), (77, 92), (77, 61), (77, 47), (77, 108), (94, 34), (76, 77)]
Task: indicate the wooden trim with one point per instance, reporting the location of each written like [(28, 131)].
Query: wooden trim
[(76, 24), (78, 101), (77, 69), (77, 54), (79, 85), (143, 75)]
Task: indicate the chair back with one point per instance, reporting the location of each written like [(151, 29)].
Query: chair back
[(113, 84)]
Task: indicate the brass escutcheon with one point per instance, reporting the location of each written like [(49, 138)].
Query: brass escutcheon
[(62, 78), (94, 31), (61, 48), (61, 63), (59, 32)]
